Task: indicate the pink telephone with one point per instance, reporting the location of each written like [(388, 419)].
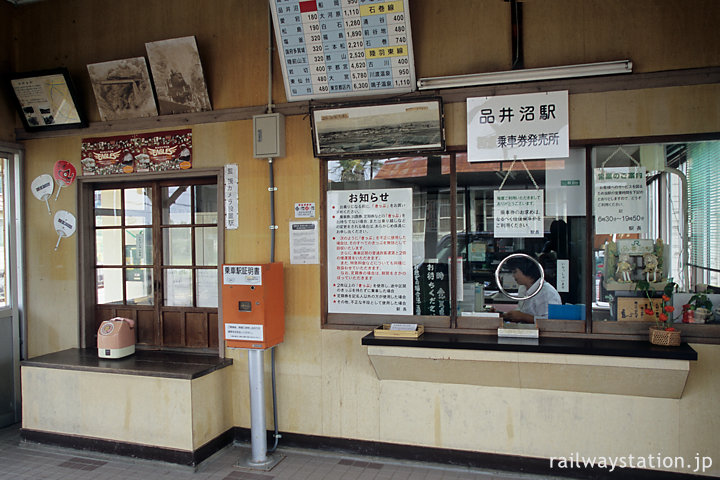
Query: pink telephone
[(116, 338)]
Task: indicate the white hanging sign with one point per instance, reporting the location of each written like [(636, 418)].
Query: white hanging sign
[(518, 213), (527, 126), (369, 238), (231, 197), (620, 200)]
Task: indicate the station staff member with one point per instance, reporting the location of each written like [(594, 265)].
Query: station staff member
[(527, 274)]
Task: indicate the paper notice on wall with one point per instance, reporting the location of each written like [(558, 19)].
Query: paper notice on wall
[(304, 240), (518, 213), (231, 197), (620, 200), (370, 251)]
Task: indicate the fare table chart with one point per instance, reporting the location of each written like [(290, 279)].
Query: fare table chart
[(343, 48)]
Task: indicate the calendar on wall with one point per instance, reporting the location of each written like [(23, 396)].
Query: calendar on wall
[(344, 48)]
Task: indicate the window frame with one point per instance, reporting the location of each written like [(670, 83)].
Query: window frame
[(87, 185), (455, 323)]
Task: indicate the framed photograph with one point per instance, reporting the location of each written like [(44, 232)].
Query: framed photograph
[(178, 75), (46, 100), (388, 128), (123, 89)]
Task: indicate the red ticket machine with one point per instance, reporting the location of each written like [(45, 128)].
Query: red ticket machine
[(253, 305)]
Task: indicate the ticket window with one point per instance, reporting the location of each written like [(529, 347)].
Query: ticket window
[(253, 302)]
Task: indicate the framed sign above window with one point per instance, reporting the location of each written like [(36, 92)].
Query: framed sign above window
[(46, 100), (385, 129)]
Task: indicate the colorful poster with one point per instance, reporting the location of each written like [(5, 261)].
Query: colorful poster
[(620, 200), (147, 152), (333, 48), (527, 126), (370, 251), (518, 213)]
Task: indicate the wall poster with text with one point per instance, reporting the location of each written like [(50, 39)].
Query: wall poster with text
[(369, 260), (147, 152)]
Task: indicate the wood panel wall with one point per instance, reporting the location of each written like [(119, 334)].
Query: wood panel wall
[(450, 37)]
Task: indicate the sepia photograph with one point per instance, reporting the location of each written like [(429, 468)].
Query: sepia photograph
[(178, 75), (122, 89), (370, 129)]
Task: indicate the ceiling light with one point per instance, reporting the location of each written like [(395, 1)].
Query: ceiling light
[(526, 75)]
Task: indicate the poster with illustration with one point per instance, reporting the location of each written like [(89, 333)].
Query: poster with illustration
[(147, 152)]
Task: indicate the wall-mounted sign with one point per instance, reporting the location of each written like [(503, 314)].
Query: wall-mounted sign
[(343, 48), (304, 241), (620, 200), (527, 126), (146, 152), (369, 260), (305, 210), (230, 196), (518, 213)]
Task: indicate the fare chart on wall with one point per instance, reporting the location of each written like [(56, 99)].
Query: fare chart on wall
[(369, 259), (343, 48)]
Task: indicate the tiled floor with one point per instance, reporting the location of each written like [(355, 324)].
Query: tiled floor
[(27, 461)]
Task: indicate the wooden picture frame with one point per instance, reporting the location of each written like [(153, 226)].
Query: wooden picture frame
[(393, 128), (47, 100)]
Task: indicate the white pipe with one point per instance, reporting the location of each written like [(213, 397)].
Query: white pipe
[(685, 229), (258, 436)]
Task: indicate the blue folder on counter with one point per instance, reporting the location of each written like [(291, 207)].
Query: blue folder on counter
[(566, 312)]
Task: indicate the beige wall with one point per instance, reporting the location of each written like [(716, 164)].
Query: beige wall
[(326, 384)]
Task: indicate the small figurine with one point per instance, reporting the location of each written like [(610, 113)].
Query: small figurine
[(651, 267), (622, 274)]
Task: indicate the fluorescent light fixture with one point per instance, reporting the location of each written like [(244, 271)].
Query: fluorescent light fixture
[(526, 75)]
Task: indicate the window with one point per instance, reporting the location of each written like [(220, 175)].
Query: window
[(155, 259), (453, 217), (675, 217)]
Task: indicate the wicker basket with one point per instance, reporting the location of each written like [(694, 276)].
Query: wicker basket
[(660, 336)]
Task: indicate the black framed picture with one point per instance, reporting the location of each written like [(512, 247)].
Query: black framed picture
[(46, 100), (400, 127)]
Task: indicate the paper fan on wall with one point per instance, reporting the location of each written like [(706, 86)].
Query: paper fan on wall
[(178, 75)]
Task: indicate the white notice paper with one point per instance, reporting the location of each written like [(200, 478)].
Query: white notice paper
[(369, 238), (620, 200), (304, 241), (518, 213)]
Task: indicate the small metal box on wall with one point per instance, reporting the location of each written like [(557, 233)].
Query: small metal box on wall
[(269, 135), (253, 305)]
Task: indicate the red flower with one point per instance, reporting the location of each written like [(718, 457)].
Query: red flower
[(665, 298), (670, 329), (669, 308), (649, 311), (663, 317)]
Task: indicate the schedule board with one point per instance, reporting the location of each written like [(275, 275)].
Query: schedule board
[(343, 48)]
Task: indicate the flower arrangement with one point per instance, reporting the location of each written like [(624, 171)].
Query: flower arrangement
[(664, 314)]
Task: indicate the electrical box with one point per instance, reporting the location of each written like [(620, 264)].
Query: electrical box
[(253, 305), (269, 135)]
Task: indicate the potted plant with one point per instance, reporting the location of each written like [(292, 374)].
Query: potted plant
[(702, 307), (663, 332)]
